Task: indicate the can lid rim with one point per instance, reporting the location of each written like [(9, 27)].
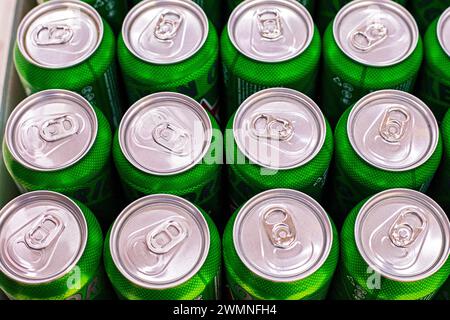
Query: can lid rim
[(30, 16), (440, 29)]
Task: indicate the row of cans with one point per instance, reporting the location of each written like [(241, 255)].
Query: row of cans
[(280, 245), (171, 45), (168, 143)]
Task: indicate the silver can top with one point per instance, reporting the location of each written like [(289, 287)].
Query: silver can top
[(282, 235), (376, 33), (270, 30), (443, 31), (165, 31), (60, 34), (159, 241), (51, 130), (165, 133), (393, 130), (42, 236), (279, 128), (403, 235)]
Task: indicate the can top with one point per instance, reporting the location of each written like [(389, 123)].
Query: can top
[(393, 130), (375, 33), (443, 31), (42, 237), (159, 241), (270, 30), (282, 235), (165, 133), (51, 130), (279, 128), (403, 235), (165, 31), (60, 34)]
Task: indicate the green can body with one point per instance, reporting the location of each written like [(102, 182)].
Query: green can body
[(245, 285), (200, 184), (248, 179), (444, 291), (89, 270), (354, 276), (244, 76), (309, 4), (327, 10), (354, 179), (95, 78), (441, 183), (90, 180), (434, 83), (204, 285), (346, 81), (425, 11), (113, 11)]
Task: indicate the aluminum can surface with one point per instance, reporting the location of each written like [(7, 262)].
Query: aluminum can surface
[(162, 247), (425, 11)]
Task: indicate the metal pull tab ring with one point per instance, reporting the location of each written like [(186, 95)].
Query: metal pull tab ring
[(407, 227), (269, 23), (279, 227), (59, 128), (46, 230), (166, 237), (56, 34), (373, 34), (171, 138), (168, 24), (274, 128), (394, 124)]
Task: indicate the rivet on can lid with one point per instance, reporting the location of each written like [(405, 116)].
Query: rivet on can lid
[(443, 31), (159, 241), (165, 133), (279, 128), (403, 234), (165, 31), (60, 34), (271, 30), (282, 235), (51, 130), (392, 130), (42, 236), (375, 33)]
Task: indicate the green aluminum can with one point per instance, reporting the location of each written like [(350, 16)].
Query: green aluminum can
[(113, 11), (327, 10), (309, 4), (440, 186), (278, 138), (434, 83), (371, 45), (269, 44), (389, 139), (168, 143), (162, 247), (280, 245), (180, 53), (212, 8), (444, 291), (394, 246), (67, 45), (425, 11), (51, 249), (55, 140)]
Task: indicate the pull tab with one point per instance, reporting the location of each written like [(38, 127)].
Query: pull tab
[(166, 237), (59, 128), (266, 126), (47, 35), (366, 38), (279, 227), (168, 24), (269, 24), (171, 137), (394, 124), (407, 227), (44, 232)]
